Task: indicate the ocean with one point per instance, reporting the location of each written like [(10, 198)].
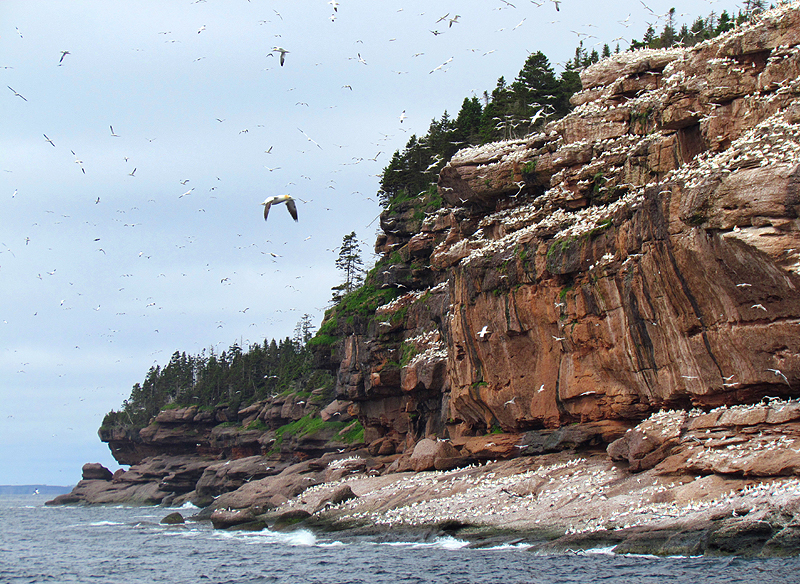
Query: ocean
[(120, 545)]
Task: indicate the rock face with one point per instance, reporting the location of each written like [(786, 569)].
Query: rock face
[(640, 254), (227, 432), (760, 440), (562, 501)]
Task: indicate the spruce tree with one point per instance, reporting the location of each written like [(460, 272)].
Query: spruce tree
[(351, 266)]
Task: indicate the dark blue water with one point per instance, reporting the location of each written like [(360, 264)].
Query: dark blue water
[(127, 544)]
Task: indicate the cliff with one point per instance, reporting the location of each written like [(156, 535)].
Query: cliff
[(640, 254)]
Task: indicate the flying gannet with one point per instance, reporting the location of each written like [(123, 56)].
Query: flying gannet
[(280, 50), (15, 93), (290, 205)]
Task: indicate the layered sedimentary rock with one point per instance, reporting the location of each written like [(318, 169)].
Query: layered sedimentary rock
[(228, 432), (761, 440), (640, 253), (189, 454)]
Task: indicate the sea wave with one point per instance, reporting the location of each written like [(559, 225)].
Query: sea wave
[(301, 537), (446, 542)]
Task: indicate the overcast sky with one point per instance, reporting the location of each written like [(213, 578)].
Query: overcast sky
[(117, 249)]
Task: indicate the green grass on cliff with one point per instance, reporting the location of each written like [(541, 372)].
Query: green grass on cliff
[(359, 304), (310, 424)]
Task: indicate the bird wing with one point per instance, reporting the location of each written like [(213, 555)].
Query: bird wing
[(292, 208), (282, 57), (266, 209)]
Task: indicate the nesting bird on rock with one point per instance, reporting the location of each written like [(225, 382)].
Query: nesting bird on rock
[(290, 205)]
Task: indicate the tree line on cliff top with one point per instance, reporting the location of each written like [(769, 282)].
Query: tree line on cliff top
[(536, 96), (237, 376), (513, 110)]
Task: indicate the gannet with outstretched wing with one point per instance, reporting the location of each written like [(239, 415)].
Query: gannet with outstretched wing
[(282, 52), (290, 205)]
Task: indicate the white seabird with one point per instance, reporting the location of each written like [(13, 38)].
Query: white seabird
[(290, 205), (280, 50)]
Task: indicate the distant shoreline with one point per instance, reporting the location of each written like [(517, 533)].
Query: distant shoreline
[(33, 490)]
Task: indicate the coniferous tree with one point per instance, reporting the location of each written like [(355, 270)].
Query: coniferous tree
[(468, 121), (536, 88), (754, 7), (536, 96), (234, 377), (724, 24), (350, 264), (667, 38), (650, 37), (303, 330)]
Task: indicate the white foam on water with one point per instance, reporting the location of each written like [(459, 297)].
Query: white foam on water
[(508, 546), (601, 551), (446, 543), (301, 537)]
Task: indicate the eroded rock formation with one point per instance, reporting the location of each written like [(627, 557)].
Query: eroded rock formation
[(641, 253)]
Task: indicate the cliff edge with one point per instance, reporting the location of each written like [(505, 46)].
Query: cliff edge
[(639, 255)]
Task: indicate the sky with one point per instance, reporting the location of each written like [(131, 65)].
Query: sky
[(139, 139)]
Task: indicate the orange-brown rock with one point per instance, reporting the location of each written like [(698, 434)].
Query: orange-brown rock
[(640, 254), (225, 518), (759, 440), (433, 454), (492, 447), (667, 276)]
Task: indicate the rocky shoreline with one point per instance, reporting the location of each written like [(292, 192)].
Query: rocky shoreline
[(594, 338), (547, 504), (738, 493), (646, 514)]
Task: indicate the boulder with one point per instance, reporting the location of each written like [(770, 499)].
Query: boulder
[(338, 495), (176, 415), (337, 411), (263, 493), (290, 518), (229, 475), (491, 447), (226, 518), (428, 451), (174, 518), (96, 471)]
